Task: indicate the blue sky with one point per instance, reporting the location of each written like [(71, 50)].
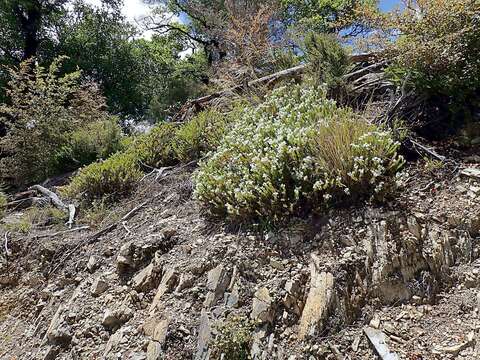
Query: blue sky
[(387, 5)]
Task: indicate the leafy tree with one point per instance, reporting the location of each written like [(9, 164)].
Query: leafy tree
[(325, 15), (139, 77)]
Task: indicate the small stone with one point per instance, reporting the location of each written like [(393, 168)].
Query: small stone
[(99, 286), (160, 331), (471, 173), (204, 335), (232, 298), (186, 281), (277, 265), (154, 351), (375, 322), (145, 279), (59, 332), (168, 283), (124, 257), (51, 353), (116, 318), (262, 310), (217, 282), (93, 263), (475, 189), (113, 342)]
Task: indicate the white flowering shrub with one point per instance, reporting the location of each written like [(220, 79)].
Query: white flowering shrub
[(297, 152)]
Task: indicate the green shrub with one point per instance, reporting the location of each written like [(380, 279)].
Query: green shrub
[(97, 140), (36, 216), (328, 60), (114, 177), (155, 149), (435, 44), (43, 110), (296, 152), (234, 339), (166, 144), (200, 135)]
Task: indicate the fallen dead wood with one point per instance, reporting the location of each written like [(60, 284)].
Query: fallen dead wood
[(57, 202), (23, 203), (378, 340), (196, 105), (80, 228), (421, 148)]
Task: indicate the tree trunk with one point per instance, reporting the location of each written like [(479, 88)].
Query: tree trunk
[(29, 17)]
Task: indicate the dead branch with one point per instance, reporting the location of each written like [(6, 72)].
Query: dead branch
[(5, 245), (421, 148), (124, 224), (71, 215), (55, 200), (24, 203), (80, 228)]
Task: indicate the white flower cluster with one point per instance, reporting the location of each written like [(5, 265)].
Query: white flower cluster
[(267, 167)]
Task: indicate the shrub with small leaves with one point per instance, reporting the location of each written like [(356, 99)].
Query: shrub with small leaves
[(328, 60), (234, 339), (155, 149), (200, 135), (295, 153), (97, 140), (114, 177), (166, 144), (432, 43), (44, 108)]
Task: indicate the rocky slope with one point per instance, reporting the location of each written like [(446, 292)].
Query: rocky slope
[(397, 281)]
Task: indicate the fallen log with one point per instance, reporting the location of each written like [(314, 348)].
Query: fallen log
[(198, 104), (57, 202)]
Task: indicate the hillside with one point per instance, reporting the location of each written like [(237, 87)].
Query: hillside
[(239, 180), (162, 281)]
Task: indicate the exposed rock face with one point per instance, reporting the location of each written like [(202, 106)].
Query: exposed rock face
[(319, 301), (217, 283), (293, 291), (59, 332), (168, 283)]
